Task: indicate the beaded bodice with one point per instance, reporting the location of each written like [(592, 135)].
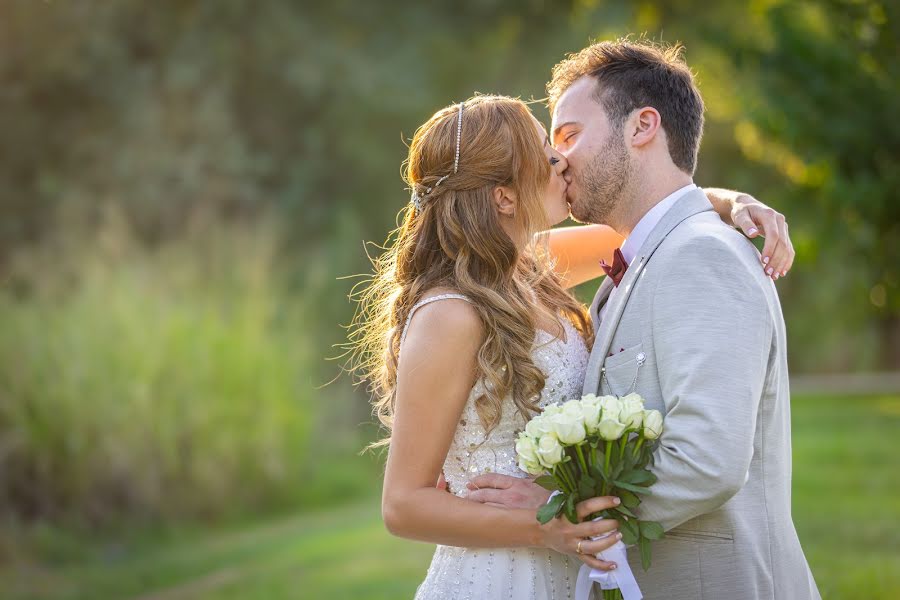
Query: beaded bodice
[(473, 452)]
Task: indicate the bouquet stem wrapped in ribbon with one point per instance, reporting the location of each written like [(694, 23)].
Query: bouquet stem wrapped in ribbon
[(597, 446)]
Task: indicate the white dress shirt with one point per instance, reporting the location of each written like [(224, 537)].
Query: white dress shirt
[(639, 234)]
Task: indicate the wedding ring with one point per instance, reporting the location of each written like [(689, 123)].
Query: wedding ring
[(578, 547)]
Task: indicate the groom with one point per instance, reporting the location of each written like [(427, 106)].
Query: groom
[(688, 320)]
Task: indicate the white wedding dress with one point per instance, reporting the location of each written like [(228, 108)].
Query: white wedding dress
[(508, 573)]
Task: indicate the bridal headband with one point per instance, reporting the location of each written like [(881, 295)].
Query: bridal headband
[(416, 199)]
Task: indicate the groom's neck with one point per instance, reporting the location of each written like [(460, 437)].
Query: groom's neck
[(647, 192)]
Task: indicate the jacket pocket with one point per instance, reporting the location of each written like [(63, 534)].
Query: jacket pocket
[(708, 537), (620, 370), (624, 357)]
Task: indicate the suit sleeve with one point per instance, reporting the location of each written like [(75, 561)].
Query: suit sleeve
[(712, 333)]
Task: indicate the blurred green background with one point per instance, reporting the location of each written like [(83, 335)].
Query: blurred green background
[(186, 186)]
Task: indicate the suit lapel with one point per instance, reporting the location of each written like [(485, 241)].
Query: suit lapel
[(692, 203), (600, 299)]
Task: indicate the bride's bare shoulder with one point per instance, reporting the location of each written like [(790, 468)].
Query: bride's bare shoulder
[(434, 292), (449, 320)]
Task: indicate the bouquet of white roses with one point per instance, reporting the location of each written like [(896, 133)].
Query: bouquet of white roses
[(595, 446)]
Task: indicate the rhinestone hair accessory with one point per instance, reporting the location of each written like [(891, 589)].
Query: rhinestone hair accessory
[(458, 135), (416, 199)]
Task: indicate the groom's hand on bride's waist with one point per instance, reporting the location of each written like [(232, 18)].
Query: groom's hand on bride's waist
[(506, 491), (559, 534)]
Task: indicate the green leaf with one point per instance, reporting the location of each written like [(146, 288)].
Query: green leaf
[(548, 482), (615, 470), (571, 514), (638, 477), (605, 514), (634, 488), (629, 530), (625, 511), (628, 499), (548, 512), (651, 530), (647, 454), (585, 491), (586, 487), (645, 553), (598, 473)]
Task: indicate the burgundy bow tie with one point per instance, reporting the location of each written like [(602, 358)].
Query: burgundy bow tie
[(617, 271)]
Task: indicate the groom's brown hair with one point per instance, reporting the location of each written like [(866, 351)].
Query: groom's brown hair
[(632, 74)]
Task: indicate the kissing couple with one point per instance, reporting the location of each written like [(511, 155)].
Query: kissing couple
[(468, 329)]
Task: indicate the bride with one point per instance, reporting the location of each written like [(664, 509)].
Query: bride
[(467, 330)]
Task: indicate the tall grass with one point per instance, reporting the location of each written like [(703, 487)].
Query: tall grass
[(151, 382)]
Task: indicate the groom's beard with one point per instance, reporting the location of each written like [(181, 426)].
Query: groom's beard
[(603, 183)]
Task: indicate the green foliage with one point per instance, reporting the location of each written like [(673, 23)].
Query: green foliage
[(613, 471), (632, 488), (547, 482), (819, 80), (161, 373), (345, 553), (302, 110), (651, 530), (630, 531), (156, 383), (550, 510)]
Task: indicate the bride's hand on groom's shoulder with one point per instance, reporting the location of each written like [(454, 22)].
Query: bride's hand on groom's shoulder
[(506, 491), (756, 219)]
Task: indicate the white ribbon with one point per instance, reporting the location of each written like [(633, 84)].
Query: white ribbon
[(621, 577)]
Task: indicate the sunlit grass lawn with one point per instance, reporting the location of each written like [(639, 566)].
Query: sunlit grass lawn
[(846, 507)]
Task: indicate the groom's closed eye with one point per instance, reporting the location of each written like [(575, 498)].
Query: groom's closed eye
[(564, 135)]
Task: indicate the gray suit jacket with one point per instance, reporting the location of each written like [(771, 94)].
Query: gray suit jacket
[(696, 328)]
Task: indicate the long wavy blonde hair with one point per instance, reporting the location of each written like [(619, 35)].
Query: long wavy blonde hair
[(456, 242)]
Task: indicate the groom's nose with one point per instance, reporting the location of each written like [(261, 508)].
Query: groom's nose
[(567, 175)]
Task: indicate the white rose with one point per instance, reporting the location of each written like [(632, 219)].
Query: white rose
[(632, 411), (572, 407), (590, 410), (526, 447), (530, 467), (538, 427), (612, 407), (552, 409), (569, 425), (590, 399), (653, 424), (611, 429), (549, 452)]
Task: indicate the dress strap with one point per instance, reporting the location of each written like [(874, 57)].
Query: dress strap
[(422, 303)]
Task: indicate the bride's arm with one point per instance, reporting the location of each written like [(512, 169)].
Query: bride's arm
[(577, 251), (755, 218), (435, 375)]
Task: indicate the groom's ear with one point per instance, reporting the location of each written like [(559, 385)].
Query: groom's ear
[(505, 200), (644, 125)]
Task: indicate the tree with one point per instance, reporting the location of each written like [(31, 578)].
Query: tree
[(823, 79)]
